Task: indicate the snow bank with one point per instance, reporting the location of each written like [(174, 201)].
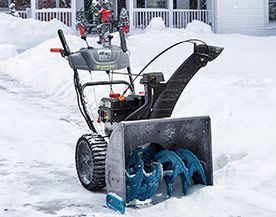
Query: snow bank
[(7, 51), (156, 24), (42, 70), (199, 27), (27, 33), (51, 74)]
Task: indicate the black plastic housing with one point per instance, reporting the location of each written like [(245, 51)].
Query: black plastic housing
[(116, 110)]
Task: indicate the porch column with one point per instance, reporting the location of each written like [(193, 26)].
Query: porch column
[(33, 8), (211, 13), (74, 14), (130, 13), (170, 7)]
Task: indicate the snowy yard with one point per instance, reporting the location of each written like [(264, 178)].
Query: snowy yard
[(40, 122)]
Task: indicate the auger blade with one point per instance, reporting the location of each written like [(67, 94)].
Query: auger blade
[(134, 175), (175, 164), (150, 183), (192, 163), (151, 173)]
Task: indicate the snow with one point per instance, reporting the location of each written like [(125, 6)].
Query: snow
[(40, 123), (199, 27), (157, 23), (7, 51), (26, 33)]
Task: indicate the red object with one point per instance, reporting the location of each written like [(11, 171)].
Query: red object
[(114, 95), (55, 50), (81, 30), (105, 14), (141, 93), (99, 119), (125, 29)]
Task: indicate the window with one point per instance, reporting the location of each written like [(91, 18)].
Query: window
[(4, 3), (155, 3), (22, 4), (272, 10), (53, 4), (198, 4)]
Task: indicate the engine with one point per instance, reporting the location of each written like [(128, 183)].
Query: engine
[(116, 108)]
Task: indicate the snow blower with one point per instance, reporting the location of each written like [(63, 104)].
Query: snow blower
[(143, 146)]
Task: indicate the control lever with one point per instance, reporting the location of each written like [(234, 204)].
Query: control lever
[(83, 34), (110, 37)]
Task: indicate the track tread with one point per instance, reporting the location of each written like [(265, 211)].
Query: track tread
[(98, 148)]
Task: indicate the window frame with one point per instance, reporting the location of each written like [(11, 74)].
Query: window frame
[(268, 24), (268, 12)]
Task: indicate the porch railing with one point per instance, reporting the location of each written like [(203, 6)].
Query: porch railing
[(62, 14), (143, 16), (23, 14), (182, 17), (65, 15), (179, 18)]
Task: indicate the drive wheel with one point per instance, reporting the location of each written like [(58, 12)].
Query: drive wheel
[(90, 161)]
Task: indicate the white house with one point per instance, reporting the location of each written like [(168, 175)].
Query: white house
[(251, 17)]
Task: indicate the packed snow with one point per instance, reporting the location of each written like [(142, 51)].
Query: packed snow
[(40, 122)]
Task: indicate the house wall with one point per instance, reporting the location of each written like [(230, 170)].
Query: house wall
[(248, 17), (79, 5)]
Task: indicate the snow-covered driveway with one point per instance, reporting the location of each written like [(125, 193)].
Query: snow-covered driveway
[(40, 125)]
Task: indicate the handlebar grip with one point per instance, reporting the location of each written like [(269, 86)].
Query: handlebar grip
[(55, 50), (67, 51)]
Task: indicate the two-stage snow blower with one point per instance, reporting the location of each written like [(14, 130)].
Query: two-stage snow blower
[(143, 146)]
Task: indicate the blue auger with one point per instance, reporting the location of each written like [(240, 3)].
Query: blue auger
[(192, 163), (145, 168), (134, 175), (175, 168)]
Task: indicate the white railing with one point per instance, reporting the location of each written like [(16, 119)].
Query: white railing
[(62, 14), (182, 17), (143, 16), (23, 14)]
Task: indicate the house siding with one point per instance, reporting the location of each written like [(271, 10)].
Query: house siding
[(248, 17), (79, 5)]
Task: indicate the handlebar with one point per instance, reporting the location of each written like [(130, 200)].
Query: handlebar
[(67, 51), (96, 83)]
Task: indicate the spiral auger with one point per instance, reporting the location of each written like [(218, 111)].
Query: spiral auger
[(145, 169)]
